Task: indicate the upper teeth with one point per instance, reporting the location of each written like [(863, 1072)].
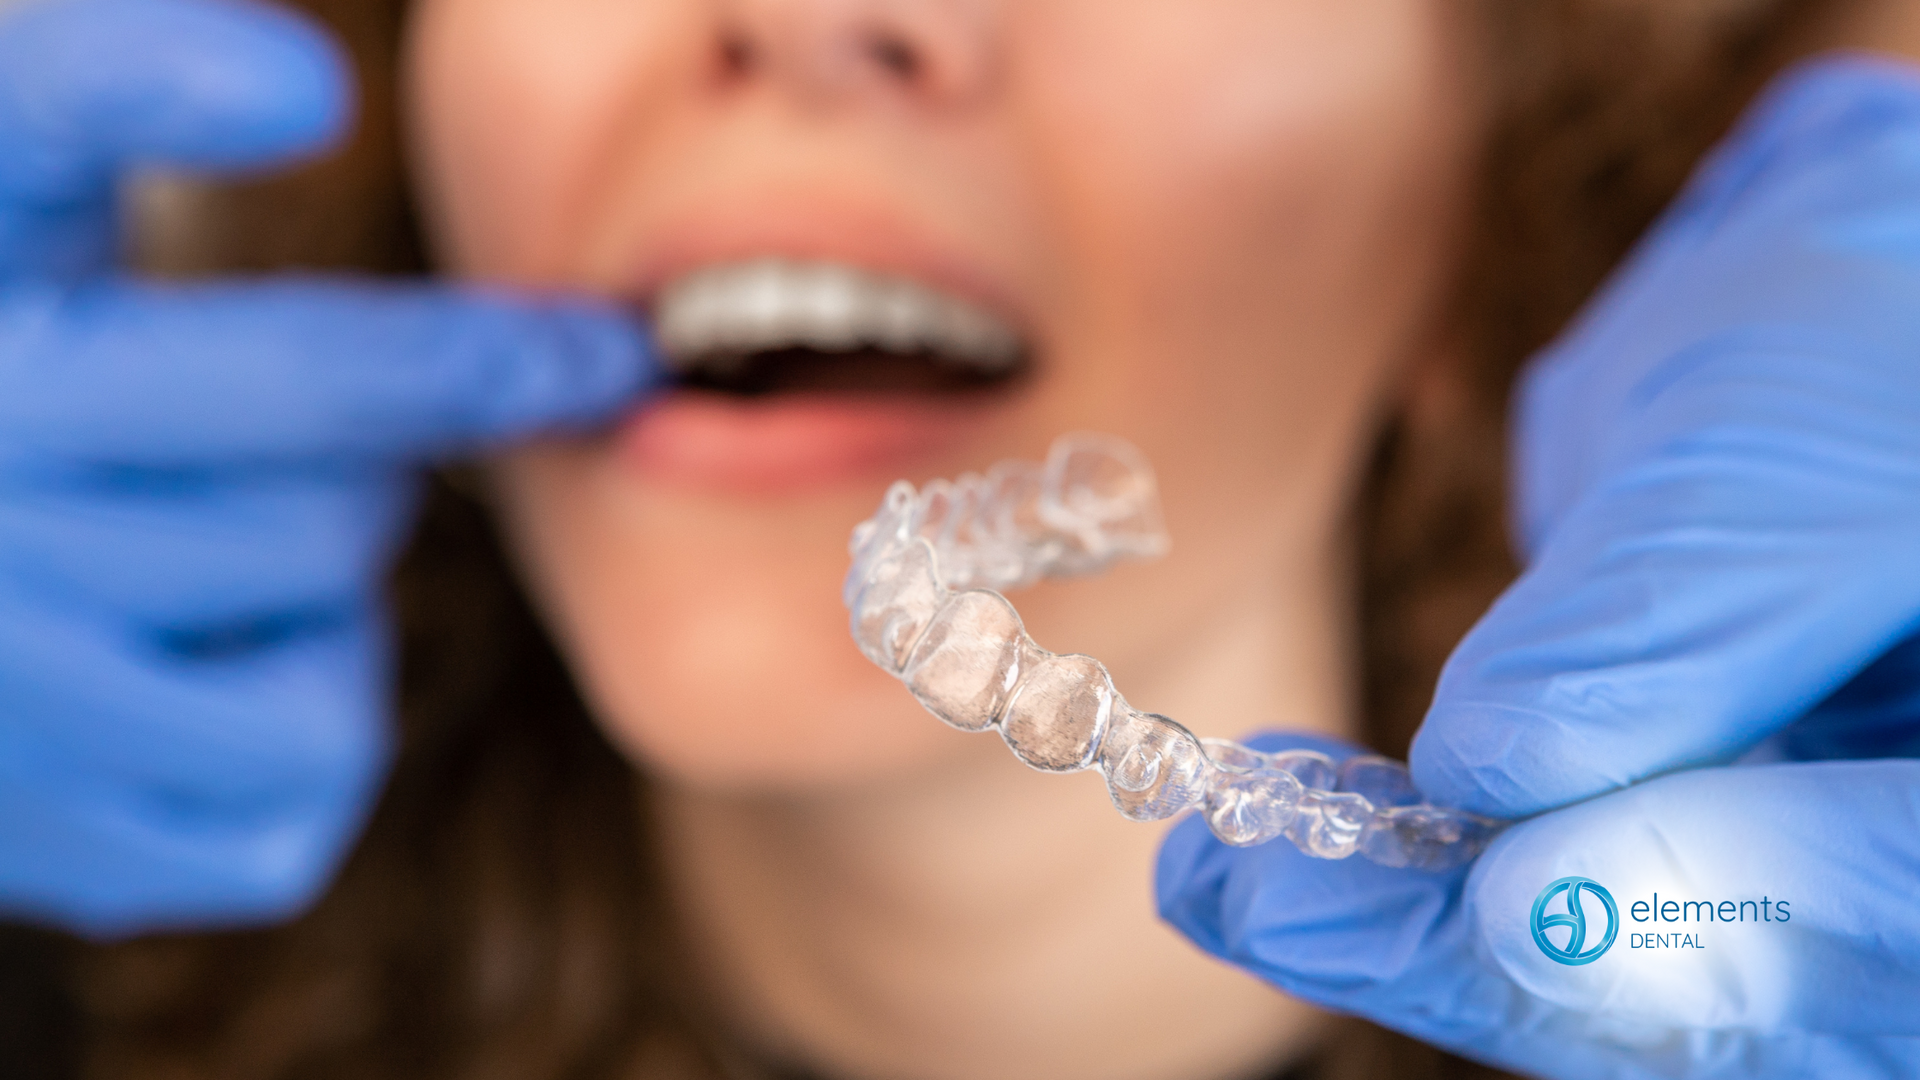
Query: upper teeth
[(727, 311)]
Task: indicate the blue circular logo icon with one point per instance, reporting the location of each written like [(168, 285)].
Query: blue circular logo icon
[(1574, 951)]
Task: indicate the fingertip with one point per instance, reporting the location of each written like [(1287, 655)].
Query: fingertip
[(498, 365), (198, 84), (299, 94), (1321, 929), (1178, 860), (1488, 760), (1441, 774), (1280, 740), (613, 346), (1188, 875), (583, 363), (1193, 865), (260, 85)]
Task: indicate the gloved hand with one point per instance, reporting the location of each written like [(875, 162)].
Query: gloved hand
[(1706, 685), (201, 486)]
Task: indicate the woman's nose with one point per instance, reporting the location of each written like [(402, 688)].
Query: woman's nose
[(829, 52)]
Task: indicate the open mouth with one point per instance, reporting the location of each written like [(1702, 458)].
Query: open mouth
[(772, 325)]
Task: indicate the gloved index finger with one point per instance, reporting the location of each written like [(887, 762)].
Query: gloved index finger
[(86, 85), (1834, 126), (301, 369), (1745, 542), (1642, 642)]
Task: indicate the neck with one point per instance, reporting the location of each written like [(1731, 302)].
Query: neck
[(980, 919)]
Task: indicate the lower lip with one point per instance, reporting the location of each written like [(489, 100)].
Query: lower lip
[(790, 442)]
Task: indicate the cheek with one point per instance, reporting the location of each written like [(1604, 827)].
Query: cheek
[(1285, 177), (1272, 141), (510, 103), (715, 649), (1261, 215)]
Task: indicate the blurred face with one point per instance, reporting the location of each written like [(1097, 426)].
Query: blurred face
[(1217, 228)]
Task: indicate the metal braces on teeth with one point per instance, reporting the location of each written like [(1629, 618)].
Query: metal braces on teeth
[(923, 592)]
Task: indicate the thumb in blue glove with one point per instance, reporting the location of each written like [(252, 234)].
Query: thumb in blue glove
[(1719, 475), (201, 486)]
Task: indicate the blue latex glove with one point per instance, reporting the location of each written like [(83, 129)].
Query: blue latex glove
[(1706, 684), (201, 486)]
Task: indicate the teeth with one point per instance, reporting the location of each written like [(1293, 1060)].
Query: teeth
[(720, 313)]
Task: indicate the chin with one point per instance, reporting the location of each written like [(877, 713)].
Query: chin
[(705, 627), (785, 720)]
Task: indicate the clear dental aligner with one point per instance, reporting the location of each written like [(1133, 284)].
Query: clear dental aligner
[(922, 593)]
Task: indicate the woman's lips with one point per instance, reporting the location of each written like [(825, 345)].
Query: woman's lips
[(792, 441), (841, 424)]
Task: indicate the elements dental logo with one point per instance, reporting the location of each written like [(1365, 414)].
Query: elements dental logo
[(1574, 952)]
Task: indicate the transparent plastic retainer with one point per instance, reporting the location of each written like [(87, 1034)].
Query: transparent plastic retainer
[(924, 593)]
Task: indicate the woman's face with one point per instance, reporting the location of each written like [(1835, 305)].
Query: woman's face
[(1219, 229)]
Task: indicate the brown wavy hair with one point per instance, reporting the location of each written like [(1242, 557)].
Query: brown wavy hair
[(503, 917)]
